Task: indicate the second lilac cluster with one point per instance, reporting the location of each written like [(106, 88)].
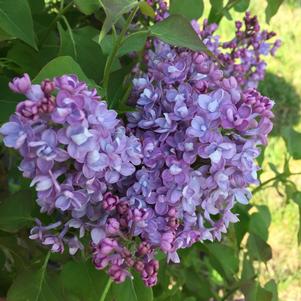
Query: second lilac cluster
[(200, 135), (242, 56)]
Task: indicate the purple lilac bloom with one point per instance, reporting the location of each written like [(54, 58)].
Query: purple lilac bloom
[(74, 148), (167, 179), (200, 131)]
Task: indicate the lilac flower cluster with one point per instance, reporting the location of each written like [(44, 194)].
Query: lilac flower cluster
[(167, 179), (200, 135), (243, 55), (74, 149)]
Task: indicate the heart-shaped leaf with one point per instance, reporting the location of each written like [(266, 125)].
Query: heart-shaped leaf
[(176, 30)]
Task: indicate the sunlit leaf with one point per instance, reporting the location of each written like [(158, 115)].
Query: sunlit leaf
[(176, 30), (215, 11), (191, 9), (223, 259), (258, 248), (260, 222), (272, 9), (293, 141), (242, 5), (271, 286), (297, 200)]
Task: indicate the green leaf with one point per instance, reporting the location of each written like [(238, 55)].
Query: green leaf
[(248, 284), (124, 291), (2, 259), (26, 287), (133, 42), (197, 284), (271, 286), (274, 168), (146, 9), (242, 5), (242, 227), (216, 11), (87, 7), (272, 8), (176, 30), (16, 20), (119, 86), (59, 66), (4, 36), (263, 294), (297, 199), (133, 290), (293, 141), (247, 269), (37, 6), (8, 99), (114, 9), (107, 44), (260, 222), (191, 9), (142, 292), (31, 61), (33, 285), (15, 211), (79, 44), (254, 292), (258, 249), (82, 280), (249, 289), (190, 299), (223, 258)]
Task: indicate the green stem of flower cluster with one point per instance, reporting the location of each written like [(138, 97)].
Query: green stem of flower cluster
[(112, 56), (61, 12), (106, 290), (278, 177)]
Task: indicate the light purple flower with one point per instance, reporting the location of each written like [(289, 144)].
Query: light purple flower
[(70, 199), (14, 132), (198, 128)]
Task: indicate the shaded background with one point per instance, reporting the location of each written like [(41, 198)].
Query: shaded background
[(283, 84)]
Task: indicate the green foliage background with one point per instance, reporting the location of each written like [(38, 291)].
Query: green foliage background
[(258, 254)]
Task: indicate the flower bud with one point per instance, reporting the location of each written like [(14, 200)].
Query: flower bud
[(110, 201), (117, 273), (20, 84), (112, 226)]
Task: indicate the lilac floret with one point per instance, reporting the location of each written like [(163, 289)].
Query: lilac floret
[(74, 149)]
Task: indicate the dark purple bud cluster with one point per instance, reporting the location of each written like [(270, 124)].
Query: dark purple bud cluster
[(243, 55)]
